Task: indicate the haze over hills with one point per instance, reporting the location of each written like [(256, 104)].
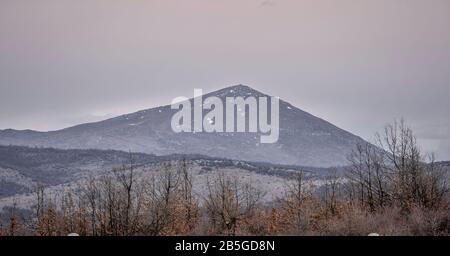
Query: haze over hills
[(304, 139)]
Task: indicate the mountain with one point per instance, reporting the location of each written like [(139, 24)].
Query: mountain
[(304, 139)]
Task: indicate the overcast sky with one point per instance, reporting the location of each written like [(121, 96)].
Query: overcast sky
[(356, 63)]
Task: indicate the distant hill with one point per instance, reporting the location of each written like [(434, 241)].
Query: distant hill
[(22, 168), (444, 163)]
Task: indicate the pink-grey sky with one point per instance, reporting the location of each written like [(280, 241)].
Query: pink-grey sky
[(356, 63)]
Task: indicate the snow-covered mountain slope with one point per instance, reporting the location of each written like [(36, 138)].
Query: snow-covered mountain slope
[(304, 139), (23, 168)]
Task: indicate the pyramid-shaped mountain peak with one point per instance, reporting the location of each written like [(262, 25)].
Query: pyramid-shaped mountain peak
[(304, 139), (239, 90)]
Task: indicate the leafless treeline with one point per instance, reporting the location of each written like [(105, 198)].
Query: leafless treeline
[(387, 189), (395, 173)]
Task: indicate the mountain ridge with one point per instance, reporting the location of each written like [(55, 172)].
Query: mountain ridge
[(23, 168)]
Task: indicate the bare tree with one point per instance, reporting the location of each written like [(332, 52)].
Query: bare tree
[(160, 201), (296, 203), (228, 202), (367, 176), (189, 207), (40, 200), (125, 177), (92, 195), (14, 221), (413, 181), (331, 193), (434, 185)]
